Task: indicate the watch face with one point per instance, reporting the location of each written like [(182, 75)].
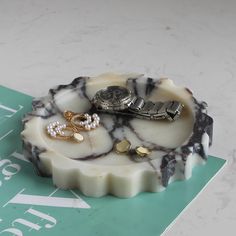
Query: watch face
[(112, 98), (114, 94)]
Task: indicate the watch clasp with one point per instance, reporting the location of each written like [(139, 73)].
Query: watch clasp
[(173, 110)]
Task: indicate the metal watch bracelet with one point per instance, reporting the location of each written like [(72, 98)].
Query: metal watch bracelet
[(155, 111)]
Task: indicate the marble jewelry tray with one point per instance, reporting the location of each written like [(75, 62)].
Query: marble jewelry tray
[(92, 165)]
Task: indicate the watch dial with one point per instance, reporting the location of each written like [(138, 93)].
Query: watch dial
[(114, 94)]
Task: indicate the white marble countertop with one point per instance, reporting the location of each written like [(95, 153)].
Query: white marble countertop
[(45, 43)]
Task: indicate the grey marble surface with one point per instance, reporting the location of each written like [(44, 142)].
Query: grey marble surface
[(45, 43)]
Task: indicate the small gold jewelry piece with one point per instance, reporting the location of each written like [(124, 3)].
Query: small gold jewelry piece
[(64, 132), (78, 137), (68, 115), (82, 121), (142, 151), (122, 146)]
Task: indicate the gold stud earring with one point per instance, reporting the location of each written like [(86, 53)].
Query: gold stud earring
[(124, 147)]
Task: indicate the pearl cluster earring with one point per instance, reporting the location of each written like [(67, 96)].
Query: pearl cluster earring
[(55, 128), (89, 122), (77, 122)]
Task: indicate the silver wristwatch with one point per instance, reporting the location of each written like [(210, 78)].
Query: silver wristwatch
[(120, 100)]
